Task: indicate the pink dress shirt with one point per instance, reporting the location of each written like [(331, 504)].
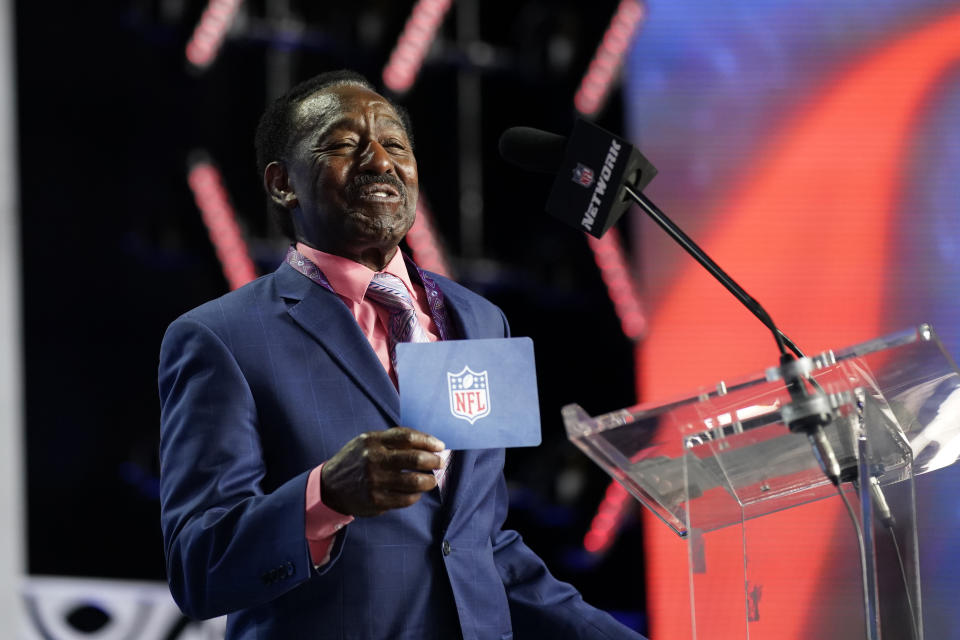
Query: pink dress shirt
[(350, 280)]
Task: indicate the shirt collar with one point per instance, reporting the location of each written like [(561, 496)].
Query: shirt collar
[(350, 279)]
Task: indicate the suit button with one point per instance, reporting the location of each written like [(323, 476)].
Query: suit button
[(445, 547)]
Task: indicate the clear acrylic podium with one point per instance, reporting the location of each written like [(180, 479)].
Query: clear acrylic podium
[(719, 464)]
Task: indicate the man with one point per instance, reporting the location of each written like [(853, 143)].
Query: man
[(290, 499)]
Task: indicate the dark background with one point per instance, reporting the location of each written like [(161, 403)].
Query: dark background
[(114, 248)]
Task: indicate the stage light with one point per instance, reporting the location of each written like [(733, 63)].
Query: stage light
[(609, 256), (220, 220), (606, 522), (413, 44), (604, 67), (208, 36), (424, 244)]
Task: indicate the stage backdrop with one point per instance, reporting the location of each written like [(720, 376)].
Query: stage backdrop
[(812, 147)]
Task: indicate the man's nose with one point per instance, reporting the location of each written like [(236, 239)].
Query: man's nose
[(375, 159)]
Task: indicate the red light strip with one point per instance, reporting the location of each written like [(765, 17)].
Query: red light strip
[(601, 73), (603, 527), (609, 256), (424, 244), (210, 31), (221, 222), (413, 44)]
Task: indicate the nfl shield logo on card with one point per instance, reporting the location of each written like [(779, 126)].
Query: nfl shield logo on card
[(469, 394), (583, 175)]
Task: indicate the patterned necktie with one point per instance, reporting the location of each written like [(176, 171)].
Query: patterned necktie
[(389, 291)]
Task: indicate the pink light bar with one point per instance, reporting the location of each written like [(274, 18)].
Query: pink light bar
[(210, 31), (607, 520), (595, 86), (218, 216), (413, 44), (424, 244), (621, 288)]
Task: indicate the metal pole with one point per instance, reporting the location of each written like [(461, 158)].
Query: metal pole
[(279, 61), (471, 168), (12, 511)]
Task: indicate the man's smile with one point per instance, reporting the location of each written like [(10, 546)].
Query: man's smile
[(380, 189)]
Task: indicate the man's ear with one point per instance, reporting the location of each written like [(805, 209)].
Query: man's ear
[(277, 183)]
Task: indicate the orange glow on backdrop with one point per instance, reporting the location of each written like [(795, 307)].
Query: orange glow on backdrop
[(807, 234)]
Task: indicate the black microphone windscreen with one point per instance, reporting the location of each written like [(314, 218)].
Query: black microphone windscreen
[(533, 149)]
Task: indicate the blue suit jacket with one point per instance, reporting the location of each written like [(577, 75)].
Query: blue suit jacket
[(260, 386)]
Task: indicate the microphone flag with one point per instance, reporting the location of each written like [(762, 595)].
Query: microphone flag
[(588, 191)]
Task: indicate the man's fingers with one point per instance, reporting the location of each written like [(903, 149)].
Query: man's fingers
[(381, 470), (403, 482), (407, 460), (407, 438)]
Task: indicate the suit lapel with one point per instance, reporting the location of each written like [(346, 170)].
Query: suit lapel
[(328, 321)]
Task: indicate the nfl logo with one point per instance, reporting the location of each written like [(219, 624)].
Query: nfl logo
[(583, 175), (469, 394)]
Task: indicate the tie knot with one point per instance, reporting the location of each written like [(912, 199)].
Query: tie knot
[(389, 290)]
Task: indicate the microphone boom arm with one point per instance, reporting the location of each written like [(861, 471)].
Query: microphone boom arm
[(808, 420), (698, 254)]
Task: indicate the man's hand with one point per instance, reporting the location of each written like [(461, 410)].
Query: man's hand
[(380, 470)]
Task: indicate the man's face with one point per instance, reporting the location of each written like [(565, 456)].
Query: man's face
[(354, 174)]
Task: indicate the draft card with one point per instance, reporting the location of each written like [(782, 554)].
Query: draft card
[(472, 394)]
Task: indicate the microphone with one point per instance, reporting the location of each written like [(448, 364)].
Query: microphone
[(593, 168), (599, 175), (532, 149), (593, 202)]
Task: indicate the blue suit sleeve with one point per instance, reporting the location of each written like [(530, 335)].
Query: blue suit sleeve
[(228, 544)]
